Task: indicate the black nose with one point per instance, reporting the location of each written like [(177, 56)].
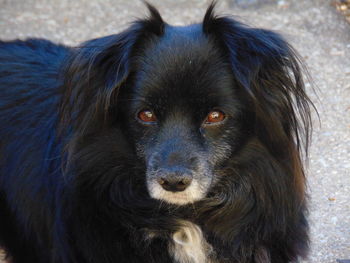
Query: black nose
[(175, 181)]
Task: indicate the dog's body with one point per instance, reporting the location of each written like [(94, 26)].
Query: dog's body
[(159, 144)]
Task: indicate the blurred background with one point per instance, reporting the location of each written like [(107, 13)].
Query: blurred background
[(318, 29)]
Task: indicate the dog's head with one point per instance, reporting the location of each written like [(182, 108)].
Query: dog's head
[(187, 99), (184, 113)]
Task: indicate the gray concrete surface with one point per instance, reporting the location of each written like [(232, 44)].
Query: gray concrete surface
[(320, 35)]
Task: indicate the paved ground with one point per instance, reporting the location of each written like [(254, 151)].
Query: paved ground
[(313, 27)]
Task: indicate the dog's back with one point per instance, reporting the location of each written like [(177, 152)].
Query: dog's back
[(29, 81), (28, 108)]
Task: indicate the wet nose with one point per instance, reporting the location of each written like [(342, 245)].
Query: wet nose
[(175, 180)]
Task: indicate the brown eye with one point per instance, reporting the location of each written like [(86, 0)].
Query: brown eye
[(215, 116), (147, 116)]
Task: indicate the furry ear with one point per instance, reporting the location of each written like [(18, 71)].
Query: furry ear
[(92, 73), (209, 18), (95, 71), (154, 22), (269, 71)]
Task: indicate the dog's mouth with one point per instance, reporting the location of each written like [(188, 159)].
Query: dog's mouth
[(175, 179), (192, 193)]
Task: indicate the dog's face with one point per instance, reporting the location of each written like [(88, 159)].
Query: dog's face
[(184, 114), (188, 100)]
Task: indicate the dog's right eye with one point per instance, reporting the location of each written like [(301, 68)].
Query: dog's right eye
[(147, 116)]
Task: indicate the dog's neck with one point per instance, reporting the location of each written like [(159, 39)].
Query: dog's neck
[(188, 244)]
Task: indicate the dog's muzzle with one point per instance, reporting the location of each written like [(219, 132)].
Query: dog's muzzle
[(176, 172)]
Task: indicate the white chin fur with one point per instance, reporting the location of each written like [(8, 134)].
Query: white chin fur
[(190, 195)]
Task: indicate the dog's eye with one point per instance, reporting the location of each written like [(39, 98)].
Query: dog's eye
[(147, 116), (215, 116)]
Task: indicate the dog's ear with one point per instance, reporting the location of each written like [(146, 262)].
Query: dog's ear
[(96, 70), (268, 70), (269, 73)]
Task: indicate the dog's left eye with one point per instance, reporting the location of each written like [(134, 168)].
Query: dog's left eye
[(215, 116), (147, 116)]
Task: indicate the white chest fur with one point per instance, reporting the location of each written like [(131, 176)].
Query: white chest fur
[(189, 245)]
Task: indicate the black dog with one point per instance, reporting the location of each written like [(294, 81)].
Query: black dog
[(158, 144)]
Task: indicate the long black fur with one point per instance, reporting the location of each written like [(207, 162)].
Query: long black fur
[(73, 188)]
